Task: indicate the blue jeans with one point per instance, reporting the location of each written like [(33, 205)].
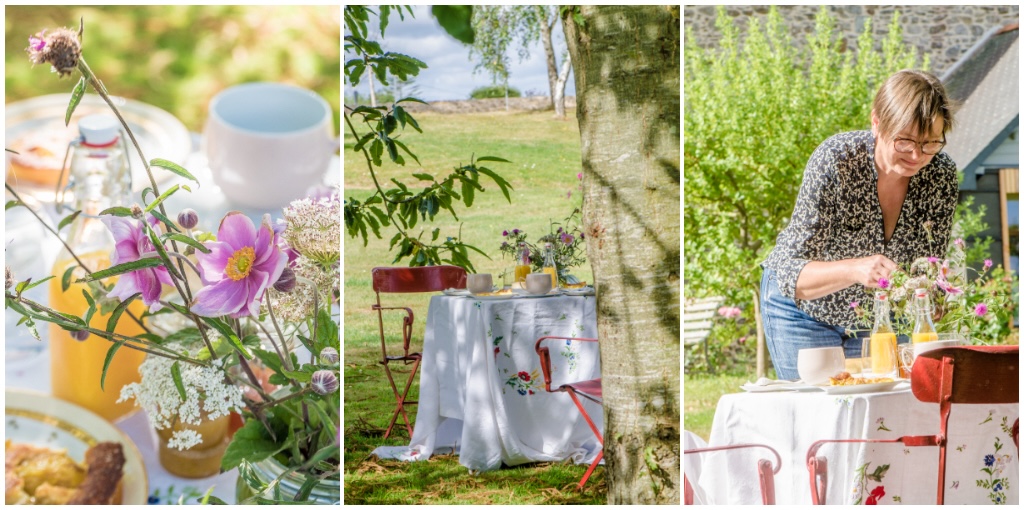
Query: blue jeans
[(788, 329)]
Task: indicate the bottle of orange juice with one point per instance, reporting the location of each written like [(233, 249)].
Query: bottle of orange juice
[(100, 179), (549, 264), (882, 351), (522, 264), (924, 329)]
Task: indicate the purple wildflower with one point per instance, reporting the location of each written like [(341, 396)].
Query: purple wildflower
[(959, 243), (932, 260), (579, 176), (515, 231), (504, 233), (37, 42), (241, 264), (988, 263), (883, 283), (130, 244), (980, 309), (854, 304), (567, 238)]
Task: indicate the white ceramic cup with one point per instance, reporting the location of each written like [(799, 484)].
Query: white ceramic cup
[(538, 283), (479, 283), (267, 143), (815, 365)]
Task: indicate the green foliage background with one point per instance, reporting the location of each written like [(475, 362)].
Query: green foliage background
[(493, 91), (178, 57)]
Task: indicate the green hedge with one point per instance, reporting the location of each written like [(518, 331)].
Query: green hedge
[(493, 91)]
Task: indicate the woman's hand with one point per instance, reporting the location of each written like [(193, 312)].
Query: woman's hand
[(819, 279), (868, 270)]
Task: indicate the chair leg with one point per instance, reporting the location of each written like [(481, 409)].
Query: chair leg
[(818, 467), (590, 470), (400, 398), (593, 428), (766, 475), (687, 491)]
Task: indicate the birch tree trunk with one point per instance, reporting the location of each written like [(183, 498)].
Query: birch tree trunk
[(559, 90), (626, 61)]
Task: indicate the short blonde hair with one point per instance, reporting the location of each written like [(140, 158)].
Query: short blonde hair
[(912, 98)]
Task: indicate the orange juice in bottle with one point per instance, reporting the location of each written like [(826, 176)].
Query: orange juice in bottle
[(549, 265), (924, 329), (882, 344), (100, 179), (523, 264)]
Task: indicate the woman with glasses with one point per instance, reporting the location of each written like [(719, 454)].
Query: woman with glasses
[(869, 200)]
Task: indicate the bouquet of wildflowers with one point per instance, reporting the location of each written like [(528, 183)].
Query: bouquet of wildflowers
[(972, 307), (247, 298), (567, 242)]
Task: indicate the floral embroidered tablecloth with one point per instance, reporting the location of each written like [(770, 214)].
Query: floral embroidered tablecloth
[(981, 463), (482, 390)]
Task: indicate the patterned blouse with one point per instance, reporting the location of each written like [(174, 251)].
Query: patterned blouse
[(837, 216)]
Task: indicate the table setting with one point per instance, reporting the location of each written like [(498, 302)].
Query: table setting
[(481, 390), (128, 220), (862, 399)]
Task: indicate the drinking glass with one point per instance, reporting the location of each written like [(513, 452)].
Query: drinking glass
[(906, 354), (879, 355)]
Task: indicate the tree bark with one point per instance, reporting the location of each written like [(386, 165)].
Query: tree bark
[(626, 61), (559, 91), (546, 27)]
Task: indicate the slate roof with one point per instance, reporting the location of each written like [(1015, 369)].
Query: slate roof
[(987, 81)]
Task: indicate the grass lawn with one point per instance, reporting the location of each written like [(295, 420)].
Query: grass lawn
[(545, 158)]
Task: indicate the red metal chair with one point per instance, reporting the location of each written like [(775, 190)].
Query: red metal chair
[(591, 390), (952, 375), (388, 280), (765, 471)]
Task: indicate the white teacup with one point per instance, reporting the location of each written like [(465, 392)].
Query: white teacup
[(479, 283), (267, 143), (815, 365), (538, 283)]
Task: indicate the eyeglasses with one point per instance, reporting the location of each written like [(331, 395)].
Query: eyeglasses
[(906, 146)]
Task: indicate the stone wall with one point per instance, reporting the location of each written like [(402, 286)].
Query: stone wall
[(944, 32)]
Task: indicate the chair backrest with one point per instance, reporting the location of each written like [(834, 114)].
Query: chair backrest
[(697, 315), (418, 279), (980, 374)]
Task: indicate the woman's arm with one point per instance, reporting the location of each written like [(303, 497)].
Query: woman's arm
[(818, 279)]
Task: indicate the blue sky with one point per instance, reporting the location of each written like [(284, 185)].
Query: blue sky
[(449, 73)]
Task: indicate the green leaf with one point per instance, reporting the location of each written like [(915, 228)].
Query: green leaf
[(424, 177), (162, 252), (92, 306), (492, 158), (178, 383), (76, 97), (250, 444), (116, 314), (12, 203), (65, 281), (163, 196), (362, 141), (106, 360), (228, 334), (67, 220), (413, 99), (502, 183), (117, 211), (25, 285), (182, 238), (163, 163), (134, 265), (456, 20), (167, 222)]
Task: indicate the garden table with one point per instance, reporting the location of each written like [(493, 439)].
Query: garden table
[(32, 253), (481, 388), (982, 463)]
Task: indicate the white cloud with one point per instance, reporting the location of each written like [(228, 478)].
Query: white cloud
[(449, 73)]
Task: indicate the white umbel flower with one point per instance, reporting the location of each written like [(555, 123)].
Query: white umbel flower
[(158, 396), (297, 305), (314, 228)]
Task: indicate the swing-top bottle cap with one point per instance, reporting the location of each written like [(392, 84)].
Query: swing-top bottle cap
[(881, 295), (920, 293), (98, 129)]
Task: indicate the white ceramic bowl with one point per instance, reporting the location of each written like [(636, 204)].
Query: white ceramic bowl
[(479, 283), (538, 283), (816, 364)]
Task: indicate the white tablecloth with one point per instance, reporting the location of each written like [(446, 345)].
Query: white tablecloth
[(482, 390), (981, 463)]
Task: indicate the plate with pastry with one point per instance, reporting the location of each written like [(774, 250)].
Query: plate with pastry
[(35, 130), (59, 453), (845, 384), (495, 294)]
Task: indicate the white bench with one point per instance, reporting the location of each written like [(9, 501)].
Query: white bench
[(697, 323)]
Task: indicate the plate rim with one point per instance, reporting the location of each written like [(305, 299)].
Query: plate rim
[(22, 396), (878, 387)]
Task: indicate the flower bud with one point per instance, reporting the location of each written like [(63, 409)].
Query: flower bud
[(61, 49), (329, 355), (80, 335), (324, 382), (8, 277), (188, 219), (137, 212), (286, 283)]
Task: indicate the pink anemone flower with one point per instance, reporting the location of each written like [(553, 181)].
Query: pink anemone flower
[(241, 265), (130, 244)]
